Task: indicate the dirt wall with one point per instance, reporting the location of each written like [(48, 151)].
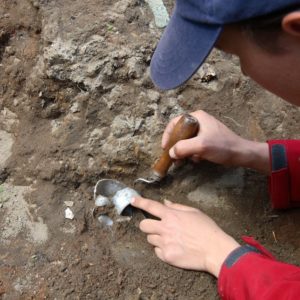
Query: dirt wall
[(77, 105)]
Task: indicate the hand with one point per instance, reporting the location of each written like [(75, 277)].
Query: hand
[(217, 143), (185, 237)]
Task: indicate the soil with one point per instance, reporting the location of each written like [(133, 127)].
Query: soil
[(77, 105)]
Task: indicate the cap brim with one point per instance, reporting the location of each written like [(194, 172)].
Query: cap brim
[(181, 51)]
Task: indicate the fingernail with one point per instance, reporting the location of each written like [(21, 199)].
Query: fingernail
[(172, 153)]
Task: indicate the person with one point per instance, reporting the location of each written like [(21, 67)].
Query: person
[(265, 35)]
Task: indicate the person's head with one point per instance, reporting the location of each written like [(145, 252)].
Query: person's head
[(264, 34), (269, 51)]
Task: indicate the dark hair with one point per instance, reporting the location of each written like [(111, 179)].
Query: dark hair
[(265, 30)]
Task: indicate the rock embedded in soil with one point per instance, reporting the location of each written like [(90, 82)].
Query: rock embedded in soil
[(6, 143), (69, 214)]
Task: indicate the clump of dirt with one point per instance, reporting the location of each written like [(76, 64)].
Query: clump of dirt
[(77, 105)]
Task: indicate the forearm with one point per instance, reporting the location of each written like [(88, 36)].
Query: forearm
[(216, 257)]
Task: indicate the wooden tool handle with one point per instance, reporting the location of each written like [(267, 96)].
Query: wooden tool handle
[(186, 128)]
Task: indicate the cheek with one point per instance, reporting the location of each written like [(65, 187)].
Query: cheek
[(270, 76)]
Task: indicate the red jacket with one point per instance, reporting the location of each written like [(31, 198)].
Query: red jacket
[(251, 272)]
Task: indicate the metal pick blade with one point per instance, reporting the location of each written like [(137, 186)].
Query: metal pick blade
[(150, 180)]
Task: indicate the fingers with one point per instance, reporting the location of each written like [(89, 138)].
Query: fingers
[(154, 239), (159, 253), (153, 207), (150, 226), (185, 148), (178, 206), (169, 128), (196, 158), (168, 131)]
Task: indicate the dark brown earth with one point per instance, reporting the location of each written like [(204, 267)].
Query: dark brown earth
[(51, 113)]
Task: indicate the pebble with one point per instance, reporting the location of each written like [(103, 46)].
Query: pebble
[(69, 203), (36, 4), (69, 214), (105, 220), (154, 96), (75, 108), (160, 13)]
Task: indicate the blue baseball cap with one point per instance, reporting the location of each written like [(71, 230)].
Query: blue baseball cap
[(194, 29)]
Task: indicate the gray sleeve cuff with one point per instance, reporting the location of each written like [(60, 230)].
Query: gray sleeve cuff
[(236, 254)]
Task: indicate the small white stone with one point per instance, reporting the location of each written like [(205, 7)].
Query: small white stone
[(75, 108), (105, 220), (160, 13), (122, 219), (154, 96), (69, 214), (69, 203)]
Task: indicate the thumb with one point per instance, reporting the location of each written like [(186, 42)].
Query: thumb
[(178, 206), (185, 148)]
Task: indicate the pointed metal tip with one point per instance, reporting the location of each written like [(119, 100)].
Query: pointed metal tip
[(149, 181)]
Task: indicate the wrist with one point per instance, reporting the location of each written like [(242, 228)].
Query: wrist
[(216, 259), (254, 155)]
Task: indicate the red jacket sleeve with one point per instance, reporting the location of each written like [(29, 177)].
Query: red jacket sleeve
[(284, 180), (251, 272)]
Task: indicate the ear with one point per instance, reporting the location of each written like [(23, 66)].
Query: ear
[(291, 23)]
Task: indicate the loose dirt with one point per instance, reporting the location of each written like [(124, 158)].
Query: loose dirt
[(77, 105)]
